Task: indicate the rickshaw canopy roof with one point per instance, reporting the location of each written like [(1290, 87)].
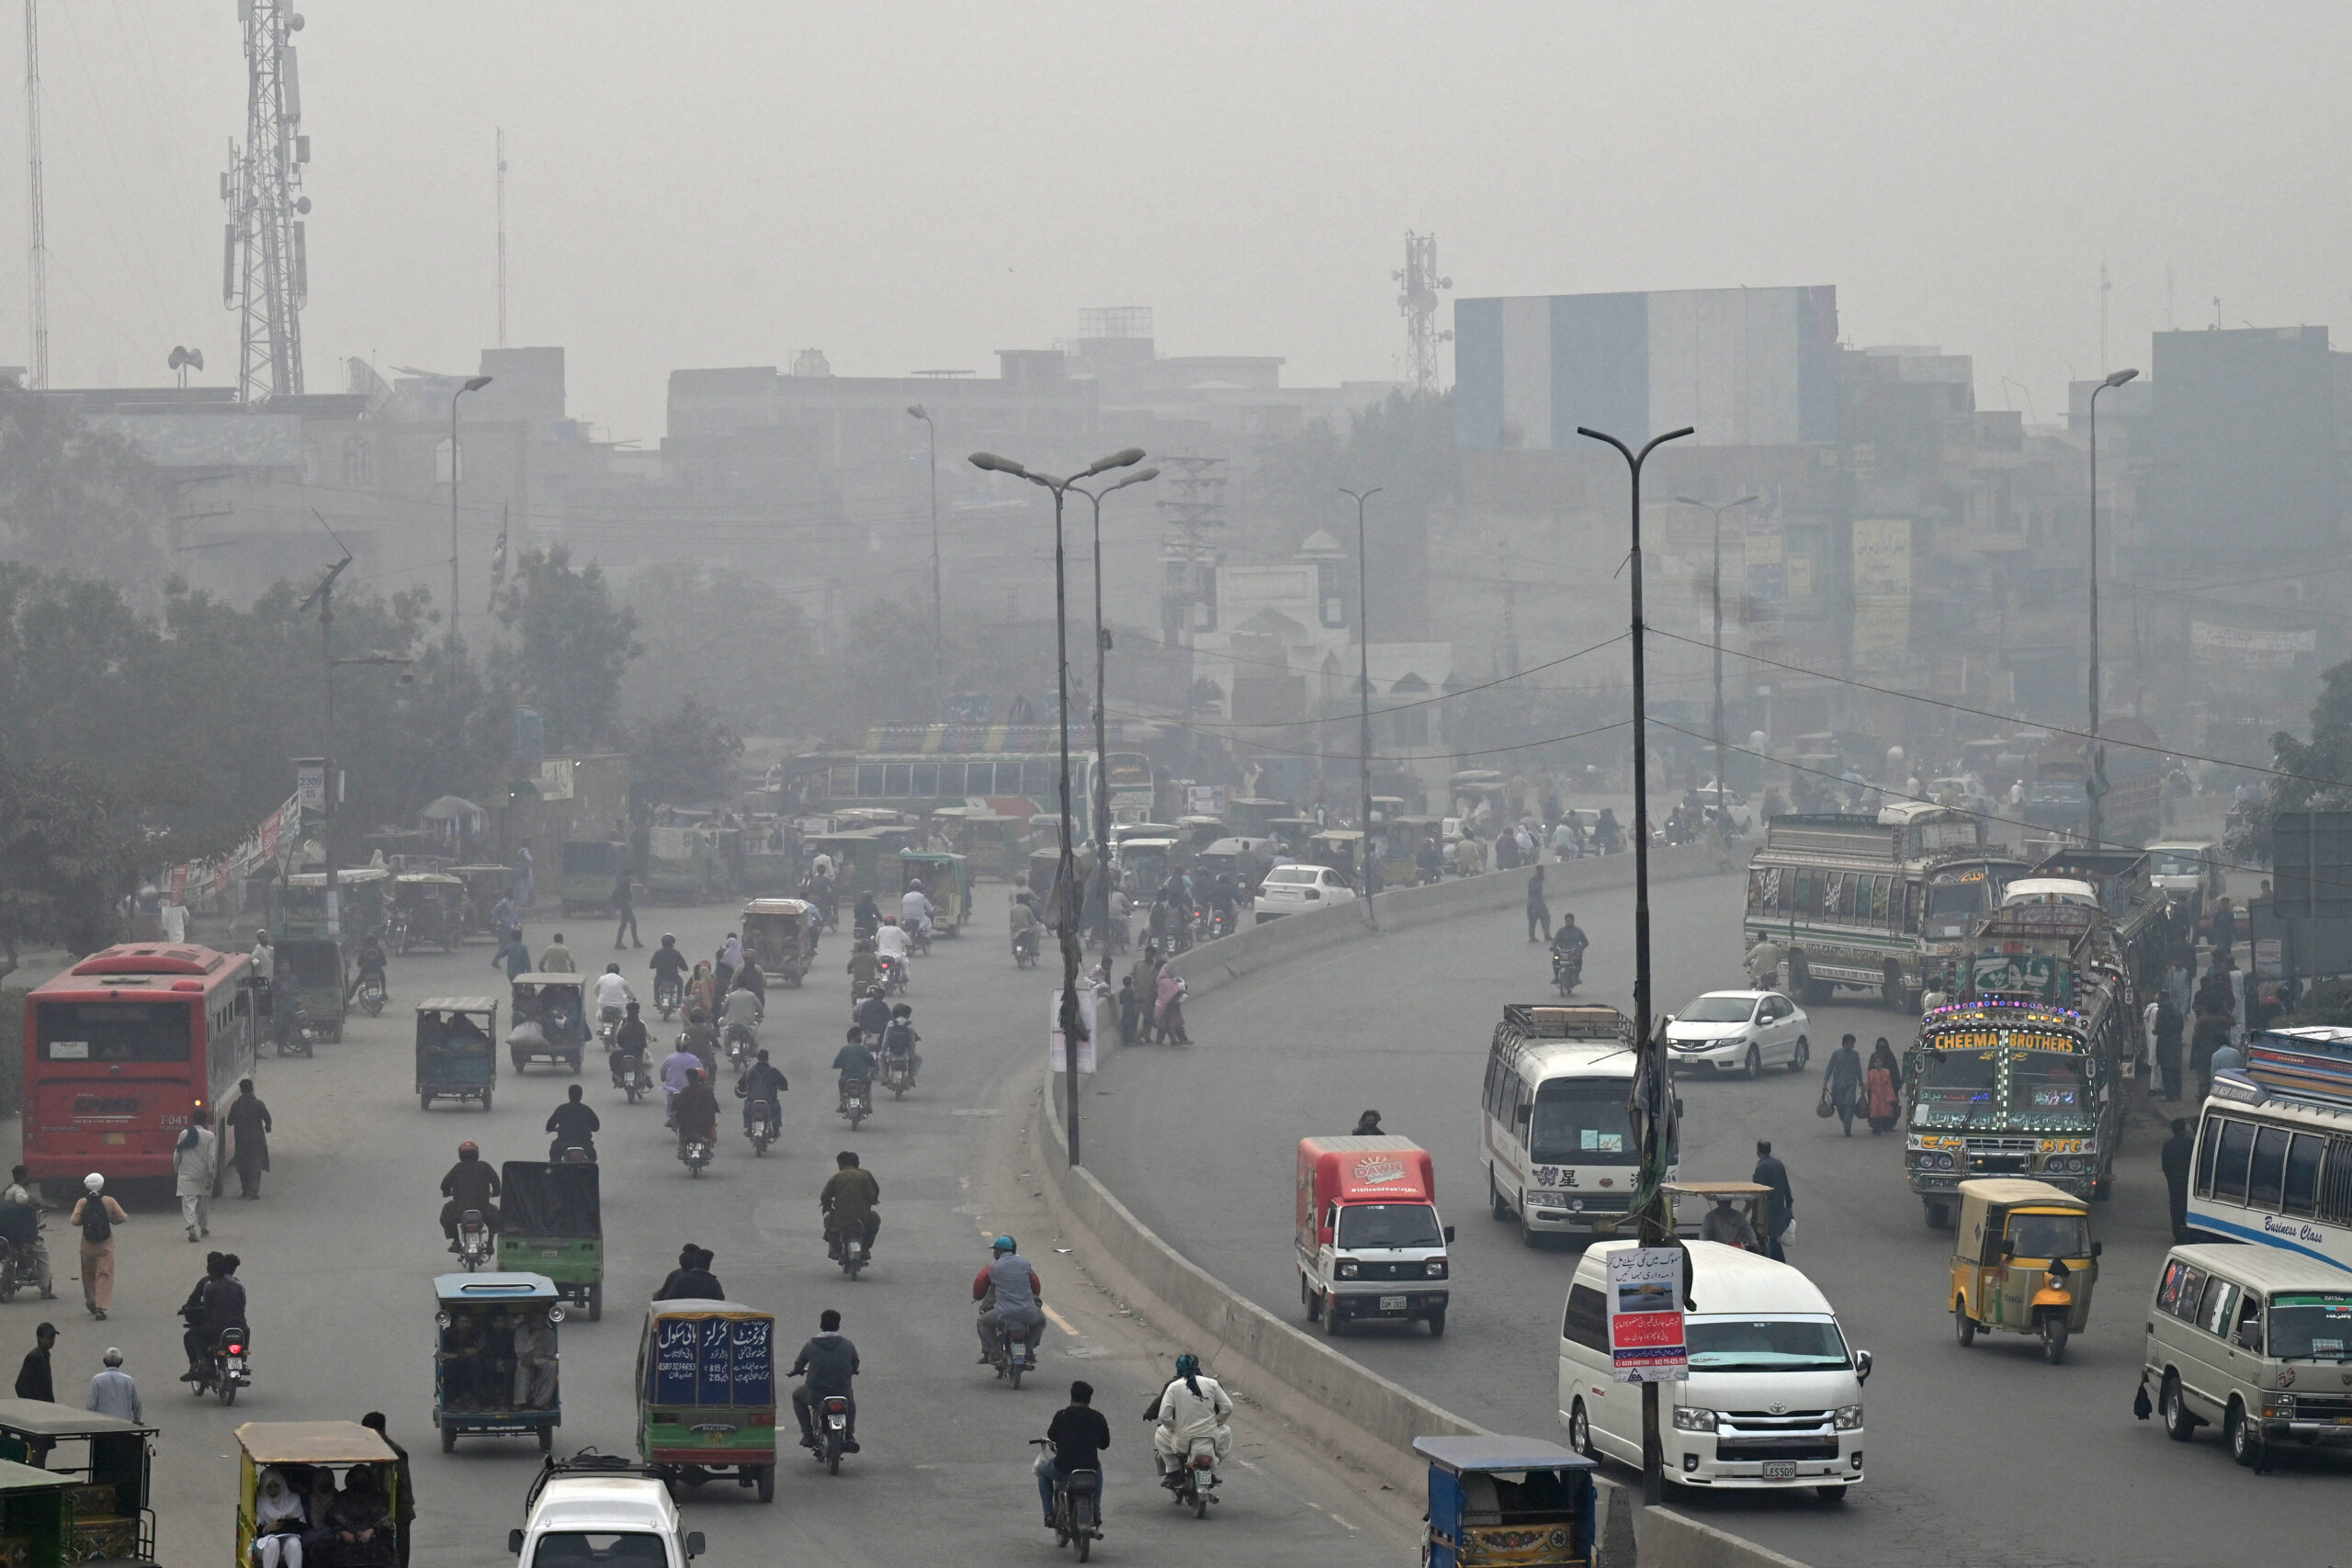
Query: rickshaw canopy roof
[(932, 857), (691, 1307), (492, 1288), (458, 1004), (546, 978), (1129, 845), (776, 907), (312, 1442), (1339, 835), (39, 1419), (481, 870), (1200, 821), (15, 1477), (2011, 1192), (1472, 1454), (345, 878), (428, 878), (1711, 1190)]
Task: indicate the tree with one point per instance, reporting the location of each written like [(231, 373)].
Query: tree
[(2320, 769), (735, 641), (76, 495), (66, 859), (572, 646), (685, 755)]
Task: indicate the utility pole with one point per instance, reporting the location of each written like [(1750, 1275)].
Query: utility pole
[(331, 781), (2095, 786), (36, 220), (1655, 1211), (1716, 593), (938, 618), (1363, 692), (470, 384), (265, 273), (1102, 715), (1199, 484), (502, 238)]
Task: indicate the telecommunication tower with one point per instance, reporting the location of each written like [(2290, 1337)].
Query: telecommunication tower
[(35, 244), (265, 274), (1419, 302)]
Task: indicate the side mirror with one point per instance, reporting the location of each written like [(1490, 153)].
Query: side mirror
[(514, 1541), (694, 1543), (2098, 1247), (1862, 1366), (1449, 1233)]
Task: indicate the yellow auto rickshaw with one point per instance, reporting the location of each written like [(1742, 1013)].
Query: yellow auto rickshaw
[(2024, 1262), (1400, 840), (316, 1461), (1734, 1213)]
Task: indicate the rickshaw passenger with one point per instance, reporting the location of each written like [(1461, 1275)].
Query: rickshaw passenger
[(535, 1363), (1728, 1226), (359, 1526), (464, 1357), (279, 1522)]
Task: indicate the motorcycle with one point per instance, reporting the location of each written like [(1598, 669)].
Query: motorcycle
[(572, 1151), (669, 996), (741, 1044), (857, 1101), (919, 937), (296, 1037), (1024, 948), (1116, 934), (898, 1073), (226, 1370), (892, 971), (1194, 1479), (474, 1240), (396, 931), (760, 1127), (695, 1154), (853, 1255), (832, 1431), (629, 1072), (372, 993), (1568, 972), (1078, 1512), (1012, 1356), (609, 1029)]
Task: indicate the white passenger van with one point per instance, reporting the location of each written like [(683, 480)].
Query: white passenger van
[(1558, 1150), (1774, 1397), (2255, 1341)]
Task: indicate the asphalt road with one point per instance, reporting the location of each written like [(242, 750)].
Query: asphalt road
[(340, 1253), (1981, 1455)]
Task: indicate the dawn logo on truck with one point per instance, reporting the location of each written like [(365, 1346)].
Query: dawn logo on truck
[(1378, 1171)]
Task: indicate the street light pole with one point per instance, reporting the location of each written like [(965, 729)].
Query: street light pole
[(1066, 875), (2095, 786), (1101, 717), (1716, 593), (473, 384), (1363, 695), (1655, 1213), (323, 597), (938, 660)]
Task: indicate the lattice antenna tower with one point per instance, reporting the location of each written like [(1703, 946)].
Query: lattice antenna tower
[(1419, 302), (265, 270), (36, 243)]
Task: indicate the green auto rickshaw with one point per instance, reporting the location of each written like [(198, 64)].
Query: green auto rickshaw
[(549, 1021), (707, 1394), (428, 909), (947, 881), (457, 1049), (551, 1223)]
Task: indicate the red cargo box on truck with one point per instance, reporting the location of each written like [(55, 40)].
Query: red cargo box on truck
[(1371, 1247)]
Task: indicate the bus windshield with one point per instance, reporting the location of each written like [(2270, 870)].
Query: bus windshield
[(2177, 865), (2047, 1087), (1582, 1121), (1955, 1084), (114, 1031), (1955, 905)]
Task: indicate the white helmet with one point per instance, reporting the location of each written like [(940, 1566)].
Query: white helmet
[(93, 1181), (914, 885)]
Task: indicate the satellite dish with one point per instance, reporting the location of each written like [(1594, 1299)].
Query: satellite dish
[(192, 358)]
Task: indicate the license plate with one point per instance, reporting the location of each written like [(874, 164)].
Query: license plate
[(1392, 1303), (1780, 1470)]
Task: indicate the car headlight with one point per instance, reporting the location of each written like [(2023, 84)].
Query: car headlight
[(1437, 1268), (1944, 1162), (1690, 1419), (1850, 1417), (1346, 1267), (2280, 1405)]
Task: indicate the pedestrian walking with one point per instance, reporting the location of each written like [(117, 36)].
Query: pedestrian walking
[(1171, 1007), (1841, 1082), (195, 1163), (2211, 1032), (33, 1376), (95, 1216), (557, 958), (249, 1126), (114, 1393), (1128, 1009), (1538, 911), (404, 1505), (2179, 1152), (627, 908), (2225, 928), (1779, 1204), (1146, 976), (1881, 1083), (513, 955), (2167, 1033)]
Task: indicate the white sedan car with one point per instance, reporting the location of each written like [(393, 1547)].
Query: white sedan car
[(1745, 1030), (1294, 889)]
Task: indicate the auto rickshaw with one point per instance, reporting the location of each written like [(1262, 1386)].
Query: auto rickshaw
[(2024, 1262), (300, 902), (1401, 839), (494, 1360), (316, 1458), (947, 881), (457, 1049), (429, 908), (552, 1224), (1144, 865), (1736, 1214), (1044, 870), (485, 886), (550, 1020), (1293, 832), (781, 935), (109, 1507), (591, 867), (855, 856), (313, 971), (1195, 833), (1342, 849), (706, 1393), (1506, 1500), (992, 843)]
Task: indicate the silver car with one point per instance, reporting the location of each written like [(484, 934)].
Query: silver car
[(1748, 1031)]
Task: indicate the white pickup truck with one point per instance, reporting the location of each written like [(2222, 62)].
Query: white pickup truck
[(595, 1508)]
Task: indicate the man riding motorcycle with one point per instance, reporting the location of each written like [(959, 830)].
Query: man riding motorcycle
[(215, 1306), (867, 917), (914, 909), (899, 1041), (873, 1015), (370, 963), (853, 1063), (829, 1362), (1010, 1294), (761, 1081), (630, 1040), (1192, 1406), (847, 1202), (695, 1112), (891, 941), (1025, 921), (700, 1037), (1567, 947), (669, 972), (741, 1019), (678, 1069), (471, 1183), (865, 967), (575, 1125)]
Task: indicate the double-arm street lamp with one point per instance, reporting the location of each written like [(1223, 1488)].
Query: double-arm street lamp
[(473, 384), (1364, 695), (1066, 876), (1716, 591), (2094, 787), (1101, 718), (323, 597)]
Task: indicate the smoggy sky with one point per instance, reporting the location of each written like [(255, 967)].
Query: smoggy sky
[(915, 185)]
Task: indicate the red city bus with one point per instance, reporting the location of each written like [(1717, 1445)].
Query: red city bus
[(119, 1048)]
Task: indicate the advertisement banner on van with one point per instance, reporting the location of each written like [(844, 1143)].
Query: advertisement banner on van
[(1645, 1339)]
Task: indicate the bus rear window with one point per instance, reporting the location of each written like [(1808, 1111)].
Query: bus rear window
[(114, 1031)]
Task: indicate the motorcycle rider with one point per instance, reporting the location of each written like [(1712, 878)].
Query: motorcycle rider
[(695, 1112), (914, 909), (761, 1081), (1194, 1405), (669, 970), (574, 1125), (215, 1306), (891, 941), (829, 1362), (863, 967), (265, 972), (679, 1066), (1568, 943), (873, 1015), (370, 961), (629, 1040), (701, 1038), (847, 1200), (853, 1062), (1024, 920), (32, 1253), (471, 1183), (1222, 895), (868, 919), (1079, 1435), (899, 1041), (1009, 1293), (742, 1015), (748, 977)]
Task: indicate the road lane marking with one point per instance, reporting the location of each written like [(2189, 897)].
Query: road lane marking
[(1059, 1321)]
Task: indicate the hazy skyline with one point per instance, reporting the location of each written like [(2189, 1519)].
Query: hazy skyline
[(915, 185)]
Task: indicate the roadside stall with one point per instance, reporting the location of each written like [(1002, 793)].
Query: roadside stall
[(495, 1366), (781, 935), (104, 1464), (316, 1460), (552, 1224), (707, 1394), (456, 1052)]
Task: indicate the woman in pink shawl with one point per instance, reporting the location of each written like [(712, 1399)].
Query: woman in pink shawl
[(1171, 1007)]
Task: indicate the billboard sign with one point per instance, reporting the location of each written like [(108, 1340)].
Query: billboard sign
[(1645, 1334)]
